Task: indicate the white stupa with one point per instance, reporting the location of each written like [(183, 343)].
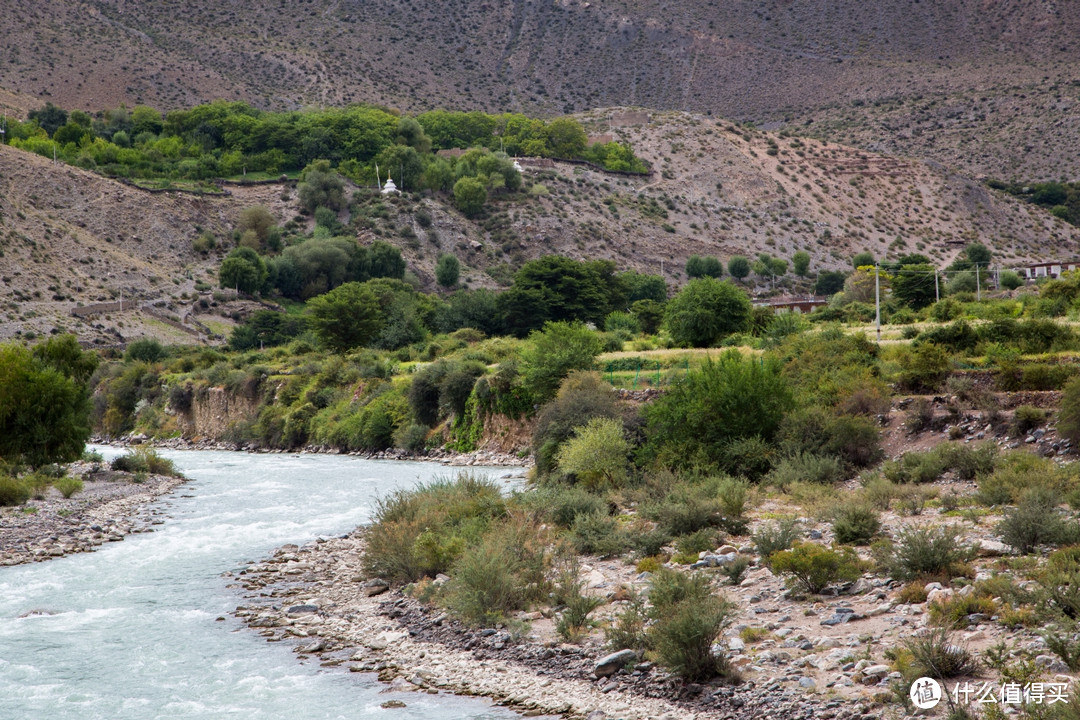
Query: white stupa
[(389, 186)]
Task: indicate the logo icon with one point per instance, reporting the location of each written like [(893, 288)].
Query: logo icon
[(925, 693)]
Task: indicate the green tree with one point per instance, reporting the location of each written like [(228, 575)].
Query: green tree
[(913, 285), (1010, 279), (558, 288), (147, 350), (738, 267), (863, 259), (800, 263), (708, 266), (597, 454), (552, 353), (438, 176), (649, 314), (829, 282), (63, 353), (705, 311), (640, 286), (243, 270), (404, 163), (385, 261), (49, 118), (566, 138), (730, 399), (469, 196), (346, 317), (411, 133), (321, 187), (44, 403), (258, 220), (447, 271)]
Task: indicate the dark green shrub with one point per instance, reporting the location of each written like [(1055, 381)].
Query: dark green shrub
[(957, 337), (146, 350), (735, 570), (936, 655), (931, 552), (1025, 419), (811, 567), (598, 534), (923, 369), (628, 630), (68, 486), (671, 587), (749, 457), (422, 532), (776, 536), (697, 542), (1036, 521), (144, 459), (1066, 646), (503, 573), (12, 491), (919, 416), (649, 543), (411, 437), (562, 504), (805, 467), (683, 638), (689, 507), (730, 399), (1069, 415), (855, 524), (1059, 582), (1018, 473), (581, 397), (574, 621), (953, 612)]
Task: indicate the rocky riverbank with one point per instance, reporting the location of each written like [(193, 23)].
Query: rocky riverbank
[(109, 507), (317, 598), (480, 458)]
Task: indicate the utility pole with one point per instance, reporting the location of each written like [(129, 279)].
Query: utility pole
[(937, 291), (978, 286), (877, 302)]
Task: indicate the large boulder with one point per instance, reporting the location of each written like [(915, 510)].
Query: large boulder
[(611, 664)]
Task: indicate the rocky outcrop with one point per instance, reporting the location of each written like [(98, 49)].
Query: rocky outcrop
[(214, 411)]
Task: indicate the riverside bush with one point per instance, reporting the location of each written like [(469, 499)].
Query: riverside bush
[(581, 397), (811, 567), (628, 630), (144, 459), (422, 532), (599, 534), (68, 486), (683, 638), (730, 399), (12, 491), (503, 573)]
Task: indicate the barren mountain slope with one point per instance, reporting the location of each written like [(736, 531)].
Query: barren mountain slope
[(947, 71), (69, 236)]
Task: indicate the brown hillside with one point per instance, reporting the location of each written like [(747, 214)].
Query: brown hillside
[(989, 86), (70, 237)]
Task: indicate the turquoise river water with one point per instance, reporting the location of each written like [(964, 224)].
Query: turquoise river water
[(132, 631)]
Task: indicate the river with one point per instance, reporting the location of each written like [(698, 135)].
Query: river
[(141, 628)]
